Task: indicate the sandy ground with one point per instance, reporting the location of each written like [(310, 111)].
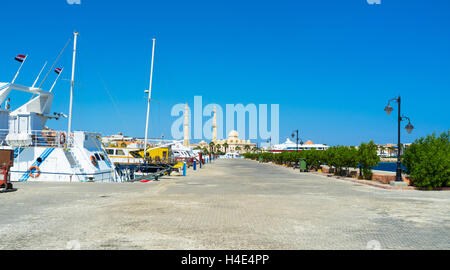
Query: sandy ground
[(231, 204)]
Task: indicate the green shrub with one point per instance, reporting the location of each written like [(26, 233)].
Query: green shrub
[(427, 161), (367, 174), (313, 159), (339, 157), (368, 158)]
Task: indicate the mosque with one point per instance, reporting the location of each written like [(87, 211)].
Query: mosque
[(233, 143)]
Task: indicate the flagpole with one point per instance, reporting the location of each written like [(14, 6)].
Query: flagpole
[(72, 82), (18, 71), (39, 75), (149, 98), (51, 89)]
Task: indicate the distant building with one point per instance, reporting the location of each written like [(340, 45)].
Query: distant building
[(119, 140), (390, 149), (116, 137)]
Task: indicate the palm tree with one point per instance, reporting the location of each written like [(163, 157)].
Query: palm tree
[(254, 149), (218, 146), (205, 151), (247, 148), (225, 146), (238, 148), (211, 147)]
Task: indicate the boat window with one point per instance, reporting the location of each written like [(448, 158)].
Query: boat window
[(97, 156), (102, 156), (110, 151), (120, 153)]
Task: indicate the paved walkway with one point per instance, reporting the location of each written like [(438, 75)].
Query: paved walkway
[(231, 204)]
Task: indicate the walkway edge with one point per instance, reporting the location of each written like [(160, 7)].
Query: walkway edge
[(363, 182)]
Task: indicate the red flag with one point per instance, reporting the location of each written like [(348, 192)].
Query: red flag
[(58, 70), (20, 58)]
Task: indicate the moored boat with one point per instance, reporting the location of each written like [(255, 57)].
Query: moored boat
[(42, 154)]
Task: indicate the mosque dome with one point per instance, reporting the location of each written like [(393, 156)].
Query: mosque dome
[(233, 134)]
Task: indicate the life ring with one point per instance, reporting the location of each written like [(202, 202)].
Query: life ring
[(38, 172), (94, 161), (62, 138)]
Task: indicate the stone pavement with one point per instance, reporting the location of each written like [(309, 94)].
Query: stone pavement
[(230, 204)]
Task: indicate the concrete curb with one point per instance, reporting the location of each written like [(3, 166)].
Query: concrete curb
[(362, 182), (365, 182)]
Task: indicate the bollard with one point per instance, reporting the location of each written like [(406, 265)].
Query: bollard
[(195, 165), (184, 169)]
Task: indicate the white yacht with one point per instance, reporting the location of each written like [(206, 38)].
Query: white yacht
[(231, 155), (293, 146), (181, 152)]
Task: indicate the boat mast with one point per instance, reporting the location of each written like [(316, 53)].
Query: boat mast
[(149, 98), (72, 82)]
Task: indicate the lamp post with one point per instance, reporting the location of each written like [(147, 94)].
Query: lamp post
[(294, 134), (409, 128)]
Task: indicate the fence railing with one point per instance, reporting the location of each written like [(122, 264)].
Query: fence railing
[(43, 138)]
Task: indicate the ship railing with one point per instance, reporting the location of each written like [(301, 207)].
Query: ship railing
[(38, 138)]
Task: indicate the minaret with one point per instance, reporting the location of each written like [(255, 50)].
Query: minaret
[(214, 138), (186, 126)]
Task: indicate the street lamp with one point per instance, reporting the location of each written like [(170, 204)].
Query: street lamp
[(294, 134), (270, 141), (409, 128)]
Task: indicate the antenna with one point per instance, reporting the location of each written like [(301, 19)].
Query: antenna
[(75, 34), (149, 98), (39, 75)]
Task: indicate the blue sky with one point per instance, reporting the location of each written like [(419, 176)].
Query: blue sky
[(331, 65)]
